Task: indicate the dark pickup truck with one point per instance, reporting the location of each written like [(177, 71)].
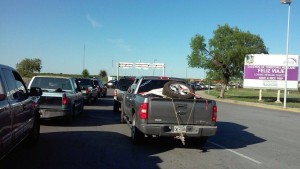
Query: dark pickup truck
[(167, 107), (62, 98), (19, 114)]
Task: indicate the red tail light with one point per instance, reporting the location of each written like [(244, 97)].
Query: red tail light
[(214, 114), (64, 99), (34, 104), (86, 90), (143, 112), (115, 92)]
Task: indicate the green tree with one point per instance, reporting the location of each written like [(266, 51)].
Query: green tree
[(102, 74), (85, 73), (225, 57), (27, 67)]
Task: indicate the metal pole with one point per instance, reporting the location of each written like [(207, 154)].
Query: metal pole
[(118, 71), (286, 59), (83, 57)]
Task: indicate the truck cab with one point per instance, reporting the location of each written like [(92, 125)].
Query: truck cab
[(19, 113)]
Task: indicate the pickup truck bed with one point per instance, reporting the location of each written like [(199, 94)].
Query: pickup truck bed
[(195, 114), (61, 97), (151, 114)]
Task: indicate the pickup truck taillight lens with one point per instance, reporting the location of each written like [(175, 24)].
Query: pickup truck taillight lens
[(143, 112), (64, 99), (115, 92), (86, 90), (214, 114)]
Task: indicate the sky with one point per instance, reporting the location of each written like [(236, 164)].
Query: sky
[(69, 36)]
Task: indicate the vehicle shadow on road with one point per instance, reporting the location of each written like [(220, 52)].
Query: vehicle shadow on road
[(91, 116), (233, 136), (84, 150)]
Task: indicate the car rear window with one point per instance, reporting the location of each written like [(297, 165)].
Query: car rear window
[(51, 83), (84, 83), (123, 84)]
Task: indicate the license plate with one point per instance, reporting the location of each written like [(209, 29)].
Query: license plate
[(180, 129)]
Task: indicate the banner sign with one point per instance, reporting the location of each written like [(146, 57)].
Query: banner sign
[(125, 65), (264, 71), (158, 65), (142, 65)]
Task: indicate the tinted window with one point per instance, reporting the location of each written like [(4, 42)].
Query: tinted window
[(124, 84), (84, 83), (51, 83), (148, 85), (14, 83), (19, 82)]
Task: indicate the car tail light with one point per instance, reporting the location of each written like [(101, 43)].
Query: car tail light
[(143, 112), (34, 104), (64, 99), (164, 78), (86, 90), (214, 114), (115, 93)]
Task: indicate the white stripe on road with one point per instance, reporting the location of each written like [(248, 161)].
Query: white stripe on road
[(239, 154)]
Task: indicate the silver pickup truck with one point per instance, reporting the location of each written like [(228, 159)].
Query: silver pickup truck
[(167, 107), (61, 97)]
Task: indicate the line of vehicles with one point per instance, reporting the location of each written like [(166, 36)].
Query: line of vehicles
[(45, 97), (151, 106)]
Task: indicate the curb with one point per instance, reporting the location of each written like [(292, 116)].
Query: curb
[(261, 105)]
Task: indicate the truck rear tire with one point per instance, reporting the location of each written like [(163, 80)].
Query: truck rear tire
[(34, 135), (116, 106), (197, 142), (176, 89), (137, 136), (122, 115)]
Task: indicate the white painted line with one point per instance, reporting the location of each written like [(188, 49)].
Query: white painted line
[(237, 153)]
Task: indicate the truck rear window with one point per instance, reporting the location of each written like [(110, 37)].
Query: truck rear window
[(123, 84), (148, 85), (51, 83)]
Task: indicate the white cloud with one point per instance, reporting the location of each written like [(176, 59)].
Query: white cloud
[(120, 43), (93, 22)]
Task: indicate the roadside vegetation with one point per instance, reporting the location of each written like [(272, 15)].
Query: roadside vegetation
[(252, 95)]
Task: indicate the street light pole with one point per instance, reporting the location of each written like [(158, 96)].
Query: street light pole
[(287, 50), (153, 67)]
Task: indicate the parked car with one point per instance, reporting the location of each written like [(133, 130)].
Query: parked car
[(61, 97), (88, 90), (19, 113), (121, 87), (102, 90), (112, 83)]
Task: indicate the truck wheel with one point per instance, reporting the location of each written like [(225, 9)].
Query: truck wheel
[(116, 108), (34, 135), (137, 136), (176, 89), (197, 142)]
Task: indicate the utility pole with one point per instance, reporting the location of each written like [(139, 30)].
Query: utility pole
[(83, 57)]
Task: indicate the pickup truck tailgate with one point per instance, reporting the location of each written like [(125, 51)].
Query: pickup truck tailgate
[(182, 111)]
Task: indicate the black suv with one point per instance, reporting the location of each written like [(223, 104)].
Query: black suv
[(121, 87)]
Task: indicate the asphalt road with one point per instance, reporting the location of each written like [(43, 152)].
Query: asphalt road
[(247, 137)]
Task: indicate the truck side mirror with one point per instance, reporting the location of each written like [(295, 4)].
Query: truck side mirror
[(35, 91), (2, 96)]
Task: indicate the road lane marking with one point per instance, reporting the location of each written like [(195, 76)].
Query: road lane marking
[(237, 153)]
